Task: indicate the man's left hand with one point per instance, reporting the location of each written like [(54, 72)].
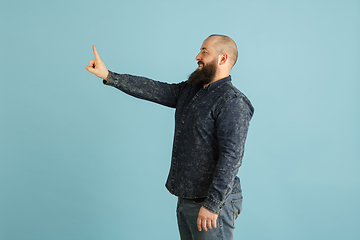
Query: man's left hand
[(206, 219)]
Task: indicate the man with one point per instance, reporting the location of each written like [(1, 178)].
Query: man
[(211, 123)]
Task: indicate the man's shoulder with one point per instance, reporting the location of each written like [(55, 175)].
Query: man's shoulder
[(229, 90), (232, 92)]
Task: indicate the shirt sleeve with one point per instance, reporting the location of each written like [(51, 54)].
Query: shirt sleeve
[(232, 125), (144, 88)]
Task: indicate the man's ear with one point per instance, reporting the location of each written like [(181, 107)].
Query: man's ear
[(223, 58)]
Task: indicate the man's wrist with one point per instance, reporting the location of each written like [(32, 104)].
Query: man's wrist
[(107, 76), (212, 205), (107, 80)]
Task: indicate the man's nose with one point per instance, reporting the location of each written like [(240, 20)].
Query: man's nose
[(197, 58)]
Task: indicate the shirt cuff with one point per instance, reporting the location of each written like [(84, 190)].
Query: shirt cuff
[(213, 206), (110, 81)]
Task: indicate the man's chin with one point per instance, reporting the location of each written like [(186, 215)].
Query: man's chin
[(203, 74)]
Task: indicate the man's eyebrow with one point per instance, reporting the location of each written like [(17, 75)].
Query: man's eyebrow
[(204, 48)]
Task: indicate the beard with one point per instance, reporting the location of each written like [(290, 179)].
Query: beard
[(201, 77)]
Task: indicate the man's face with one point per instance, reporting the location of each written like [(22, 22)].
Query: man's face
[(207, 61)]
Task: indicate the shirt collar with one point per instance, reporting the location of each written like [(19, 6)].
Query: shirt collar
[(218, 83)]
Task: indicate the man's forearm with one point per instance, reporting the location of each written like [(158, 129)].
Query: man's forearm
[(145, 88)]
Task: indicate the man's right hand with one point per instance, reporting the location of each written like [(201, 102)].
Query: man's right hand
[(98, 67)]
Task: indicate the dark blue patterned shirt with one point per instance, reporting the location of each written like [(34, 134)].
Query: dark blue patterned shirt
[(211, 125)]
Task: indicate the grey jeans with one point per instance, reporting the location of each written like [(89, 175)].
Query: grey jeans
[(187, 214)]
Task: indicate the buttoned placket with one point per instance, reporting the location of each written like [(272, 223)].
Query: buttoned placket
[(184, 114)]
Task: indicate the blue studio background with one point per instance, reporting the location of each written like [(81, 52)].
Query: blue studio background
[(80, 160)]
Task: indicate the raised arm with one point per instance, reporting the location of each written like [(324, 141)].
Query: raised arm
[(140, 87)]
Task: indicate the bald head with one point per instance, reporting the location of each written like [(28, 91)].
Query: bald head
[(225, 44)]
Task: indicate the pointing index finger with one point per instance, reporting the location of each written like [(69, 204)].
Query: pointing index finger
[(97, 57)]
